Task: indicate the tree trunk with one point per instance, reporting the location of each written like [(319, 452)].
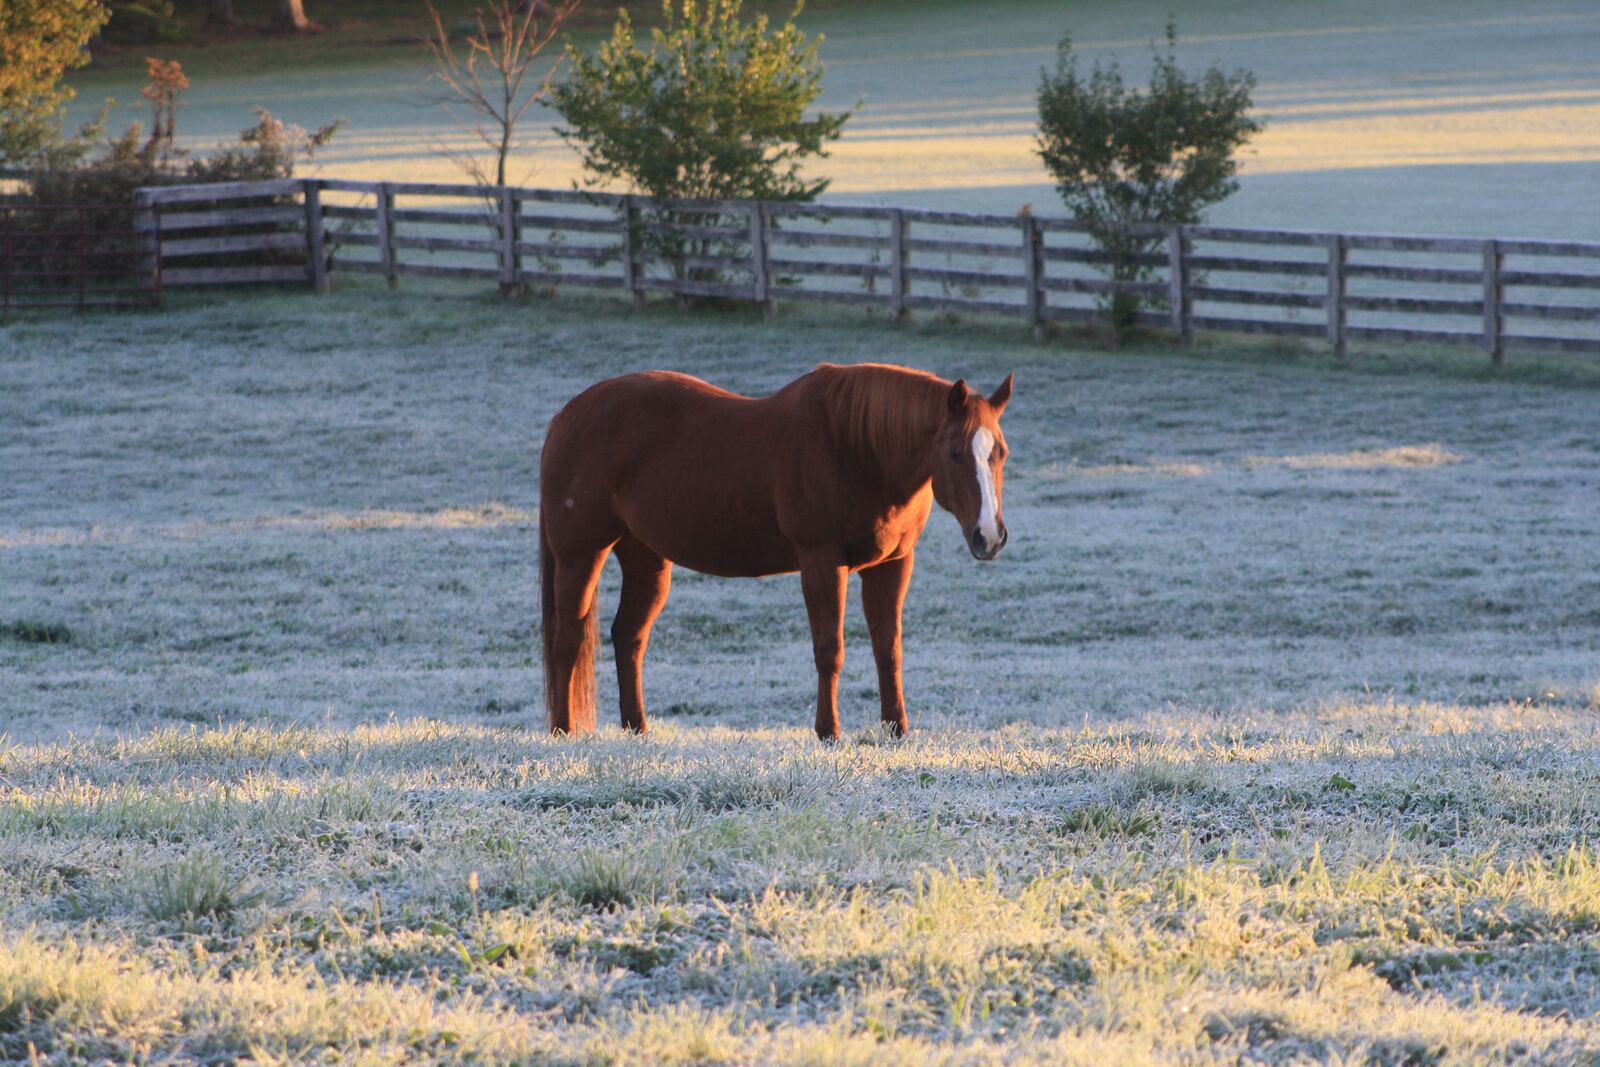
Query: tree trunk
[(222, 13), (292, 16)]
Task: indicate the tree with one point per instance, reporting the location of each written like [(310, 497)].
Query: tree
[(291, 16), (40, 40), (491, 80), (1124, 159), (715, 108)]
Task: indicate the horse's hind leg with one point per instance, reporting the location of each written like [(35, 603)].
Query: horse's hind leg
[(572, 636), (646, 580)]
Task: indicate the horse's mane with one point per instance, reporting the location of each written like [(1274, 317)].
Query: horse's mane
[(884, 412)]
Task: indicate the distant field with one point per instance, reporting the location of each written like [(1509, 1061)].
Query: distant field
[(1271, 736), (1438, 117)]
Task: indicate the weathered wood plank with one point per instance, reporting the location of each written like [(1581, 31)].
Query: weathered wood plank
[(689, 288), (479, 217), (1225, 295), (176, 248), (1526, 247), (809, 239), (1239, 235), (957, 218), (938, 246), (348, 185), (696, 233), (569, 196), (975, 307), (1566, 312), (988, 279), (1222, 324), (243, 216), (384, 210), (1414, 333), (447, 270), (232, 275), (1493, 293), (1245, 265), (780, 209), (347, 211), (1551, 344), (583, 280), (564, 223), (219, 191), (1550, 279), (447, 244), (1395, 273), (1335, 300), (1100, 286), (1093, 255), (1420, 305), (827, 296), (566, 251), (814, 266), (1396, 243), (316, 253)]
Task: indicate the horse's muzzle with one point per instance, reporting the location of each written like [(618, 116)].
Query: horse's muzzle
[(982, 548)]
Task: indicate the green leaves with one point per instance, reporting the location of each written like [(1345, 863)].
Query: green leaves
[(1123, 156), (714, 108), (40, 40)]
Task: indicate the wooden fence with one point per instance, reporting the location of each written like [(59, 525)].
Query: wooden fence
[(1497, 294)]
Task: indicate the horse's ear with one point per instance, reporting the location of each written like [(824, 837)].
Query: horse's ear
[(958, 396), (1002, 395)]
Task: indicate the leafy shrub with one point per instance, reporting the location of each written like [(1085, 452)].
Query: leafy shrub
[(1124, 158), (40, 40), (106, 173), (714, 109)]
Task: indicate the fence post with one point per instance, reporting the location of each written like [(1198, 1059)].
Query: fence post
[(1178, 282), (758, 257), (1336, 287), (897, 264), (1032, 270), (509, 261), (628, 219), (314, 235), (144, 224), (386, 232), (1493, 260), (10, 258)]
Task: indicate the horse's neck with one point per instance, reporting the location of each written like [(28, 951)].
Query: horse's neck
[(890, 425)]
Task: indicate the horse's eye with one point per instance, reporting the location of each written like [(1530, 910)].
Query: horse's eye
[(955, 457)]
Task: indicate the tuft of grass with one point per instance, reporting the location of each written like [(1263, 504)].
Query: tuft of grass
[(195, 887), (1106, 820), (35, 632), (608, 879)]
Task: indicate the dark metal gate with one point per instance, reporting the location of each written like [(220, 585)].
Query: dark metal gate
[(80, 256)]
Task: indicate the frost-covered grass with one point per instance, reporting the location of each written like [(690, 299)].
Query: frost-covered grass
[(1271, 736)]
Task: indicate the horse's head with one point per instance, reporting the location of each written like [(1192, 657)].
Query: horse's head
[(969, 463)]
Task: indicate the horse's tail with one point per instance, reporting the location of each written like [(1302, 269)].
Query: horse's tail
[(578, 717)]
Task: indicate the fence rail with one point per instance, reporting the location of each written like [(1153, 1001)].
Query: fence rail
[(1498, 294)]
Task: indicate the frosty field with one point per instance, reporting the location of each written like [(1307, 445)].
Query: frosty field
[(1271, 735)]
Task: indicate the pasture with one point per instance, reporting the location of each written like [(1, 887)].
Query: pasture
[(1381, 117), (1271, 735)]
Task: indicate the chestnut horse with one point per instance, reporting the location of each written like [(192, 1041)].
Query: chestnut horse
[(834, 473)]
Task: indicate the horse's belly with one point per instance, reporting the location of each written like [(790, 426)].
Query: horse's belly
[(713, 538)]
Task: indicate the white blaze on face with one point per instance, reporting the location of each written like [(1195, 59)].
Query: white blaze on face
[(988, 521)]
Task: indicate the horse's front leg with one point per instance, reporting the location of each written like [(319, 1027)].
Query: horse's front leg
[(883, 594), (824, 587)]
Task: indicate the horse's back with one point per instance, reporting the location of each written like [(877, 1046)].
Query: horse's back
[(685, 467)]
